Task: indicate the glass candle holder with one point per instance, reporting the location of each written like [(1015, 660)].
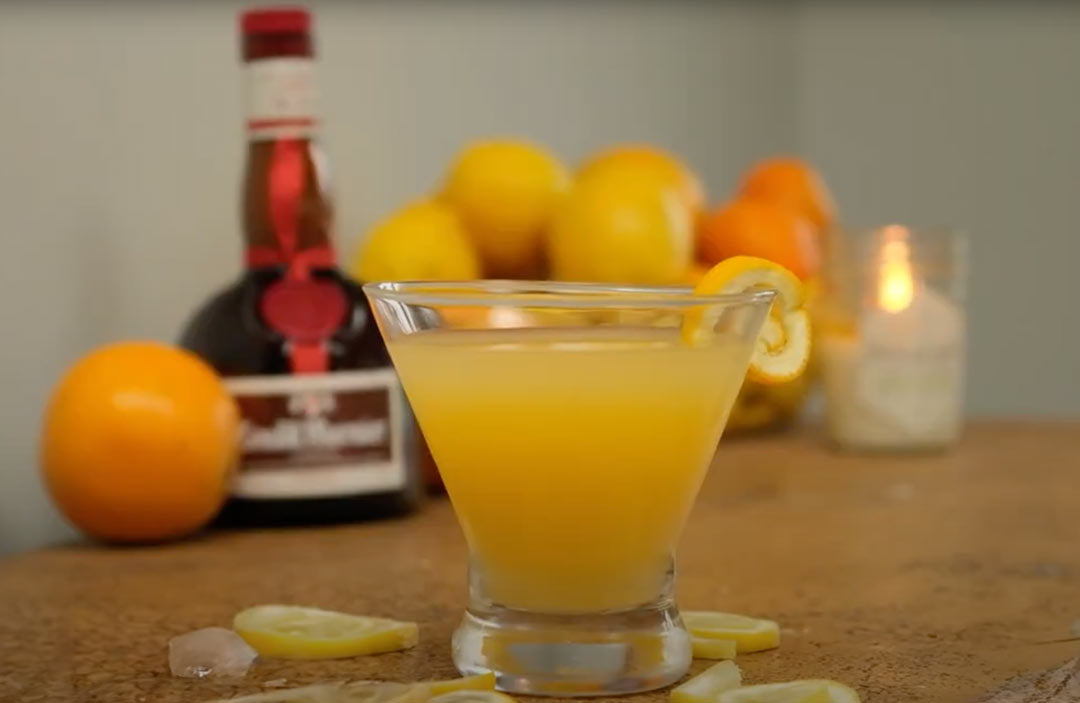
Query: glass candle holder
[(892, 339)]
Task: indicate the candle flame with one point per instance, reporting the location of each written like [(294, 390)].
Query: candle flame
[(896, 286)]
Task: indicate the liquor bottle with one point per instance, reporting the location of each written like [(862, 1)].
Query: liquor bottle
[(328, 435)]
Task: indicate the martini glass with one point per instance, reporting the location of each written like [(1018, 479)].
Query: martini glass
[(572, 425)]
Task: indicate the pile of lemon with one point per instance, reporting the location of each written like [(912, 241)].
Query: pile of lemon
[(511, 209), (632, 213), (628, 214)]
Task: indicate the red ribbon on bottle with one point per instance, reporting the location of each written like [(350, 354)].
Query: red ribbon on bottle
[(286, 179), (314, 258), (305, 311)]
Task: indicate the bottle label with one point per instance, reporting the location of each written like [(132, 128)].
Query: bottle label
[(282, 98), (321, 435)]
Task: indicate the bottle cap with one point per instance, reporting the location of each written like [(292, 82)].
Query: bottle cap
[(275, 20)]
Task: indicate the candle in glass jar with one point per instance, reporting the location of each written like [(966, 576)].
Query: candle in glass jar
[(894, 378)]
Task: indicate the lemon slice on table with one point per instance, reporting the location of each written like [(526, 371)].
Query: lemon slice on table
[(473, 697), (382, 692), (706, 686), (806, 691), (749, 634), (340, 692), (708, 648), (480, 682), (783, 347), (293, 632), (319, 693)]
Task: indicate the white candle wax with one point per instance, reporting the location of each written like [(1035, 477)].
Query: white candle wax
[(897, 383)]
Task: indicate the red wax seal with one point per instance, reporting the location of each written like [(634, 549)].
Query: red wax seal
[(303, 311)]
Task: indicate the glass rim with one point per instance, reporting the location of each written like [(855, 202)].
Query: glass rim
[(555, 294)]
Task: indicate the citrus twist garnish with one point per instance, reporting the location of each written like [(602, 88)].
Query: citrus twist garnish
[(782, 349)]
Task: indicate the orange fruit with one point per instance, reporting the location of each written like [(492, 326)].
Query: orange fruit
[(505, 192), (753, 228), (138, 442), (653, 165), (791, 183)]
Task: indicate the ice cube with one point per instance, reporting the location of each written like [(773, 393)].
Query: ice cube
[(212, 651)]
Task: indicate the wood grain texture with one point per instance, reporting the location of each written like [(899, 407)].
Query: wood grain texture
[(913, 578)]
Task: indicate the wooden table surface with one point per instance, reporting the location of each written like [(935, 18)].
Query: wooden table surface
[(911, 578)]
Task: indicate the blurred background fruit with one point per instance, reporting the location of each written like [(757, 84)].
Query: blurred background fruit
[(632, 213), (651, 165), (782, 212), (753, 228), (505, 191), (793, 184), (423, 241), (616, 227), (138, 442), (693, 275)]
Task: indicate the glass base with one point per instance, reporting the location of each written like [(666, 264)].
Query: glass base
[(574, 655)]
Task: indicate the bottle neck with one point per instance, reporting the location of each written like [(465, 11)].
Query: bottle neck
[(288, 213), (287, 210), (282, 98)]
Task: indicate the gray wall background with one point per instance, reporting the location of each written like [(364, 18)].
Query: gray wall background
[(121, 147)]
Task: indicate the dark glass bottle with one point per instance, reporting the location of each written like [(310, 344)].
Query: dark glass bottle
[(328, 435)]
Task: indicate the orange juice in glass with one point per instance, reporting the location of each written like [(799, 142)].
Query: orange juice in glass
[(572, 426)]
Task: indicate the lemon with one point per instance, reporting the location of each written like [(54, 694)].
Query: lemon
[(783, 347), (382, 692), (505, 192), (749, 634), (619, 229), (651, 164), (424, 240), (293, 632), (341, 692), (806, 691), (709, 648), (319, 693), (706, 686), (480, 682), (473, 697)]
